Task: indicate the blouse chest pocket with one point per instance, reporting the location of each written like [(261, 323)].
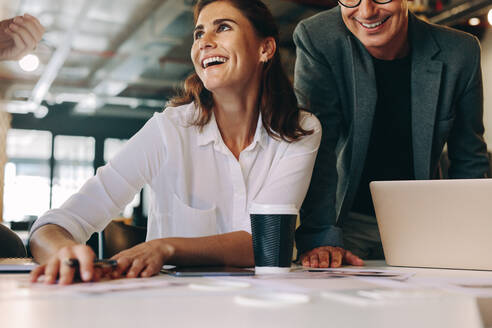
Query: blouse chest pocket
[(193, 222)]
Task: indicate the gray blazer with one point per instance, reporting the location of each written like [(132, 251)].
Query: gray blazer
[(335, 79)]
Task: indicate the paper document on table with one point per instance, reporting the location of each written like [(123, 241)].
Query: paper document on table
[(22, 287), (383, 296), (125, 284), (475, 286), (106, 286), (332, 273), (352, 272), (298, 275)]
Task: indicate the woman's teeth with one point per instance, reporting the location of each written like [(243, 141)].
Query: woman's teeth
[(218, 60)]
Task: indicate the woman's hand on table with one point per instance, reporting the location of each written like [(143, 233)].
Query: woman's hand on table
[(329, 256), (58, 267), (143, 260)]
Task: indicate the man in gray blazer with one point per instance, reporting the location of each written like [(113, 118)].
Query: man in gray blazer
[(390, 91)]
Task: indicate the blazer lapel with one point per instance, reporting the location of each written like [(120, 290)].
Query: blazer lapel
[(365, 97), (425, 85)]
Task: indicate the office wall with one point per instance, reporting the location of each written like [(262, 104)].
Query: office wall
[(487, 80)]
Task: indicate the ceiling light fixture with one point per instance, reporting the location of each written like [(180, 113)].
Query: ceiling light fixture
[(24, 107), (489, 16), (41, 112), (474, 21), (29, 63)]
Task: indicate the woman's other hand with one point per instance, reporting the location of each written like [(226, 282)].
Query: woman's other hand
[(143, 260), (328, 256)]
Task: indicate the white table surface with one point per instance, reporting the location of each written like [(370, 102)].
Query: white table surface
[(181, 306)]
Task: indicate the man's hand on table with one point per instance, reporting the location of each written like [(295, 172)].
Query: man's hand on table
[(329, 256)]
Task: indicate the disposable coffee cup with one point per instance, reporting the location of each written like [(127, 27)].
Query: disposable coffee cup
[(273, 227)]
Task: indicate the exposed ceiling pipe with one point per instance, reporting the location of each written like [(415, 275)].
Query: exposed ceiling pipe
[(57, 60), (137, 20), (76, 95), (150, 31), (459, 11), (112, 75)]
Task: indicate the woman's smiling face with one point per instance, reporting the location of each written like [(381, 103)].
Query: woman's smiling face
[(226, 51)]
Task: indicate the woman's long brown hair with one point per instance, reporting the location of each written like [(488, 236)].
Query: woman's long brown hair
[(278, 102)]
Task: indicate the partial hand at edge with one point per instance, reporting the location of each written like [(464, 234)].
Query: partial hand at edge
[(19, 36), (329, 256)]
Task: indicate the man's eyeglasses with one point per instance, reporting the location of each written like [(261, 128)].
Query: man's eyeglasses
[(355, 3)]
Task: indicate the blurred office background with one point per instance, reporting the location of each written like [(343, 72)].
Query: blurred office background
[(105, 66)]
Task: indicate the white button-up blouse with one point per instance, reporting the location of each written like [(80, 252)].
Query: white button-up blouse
[(198, 187)]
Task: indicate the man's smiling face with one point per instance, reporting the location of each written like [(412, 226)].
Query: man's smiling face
[(381, 28)]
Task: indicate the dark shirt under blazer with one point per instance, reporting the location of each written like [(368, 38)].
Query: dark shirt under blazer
[(334, 78)]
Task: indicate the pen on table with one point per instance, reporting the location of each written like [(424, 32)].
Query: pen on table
[(98, 263)]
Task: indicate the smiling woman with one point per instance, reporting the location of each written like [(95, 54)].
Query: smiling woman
[(247, 142), (245, 37)]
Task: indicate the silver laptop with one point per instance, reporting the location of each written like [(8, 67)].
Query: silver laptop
[(435, 223)]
